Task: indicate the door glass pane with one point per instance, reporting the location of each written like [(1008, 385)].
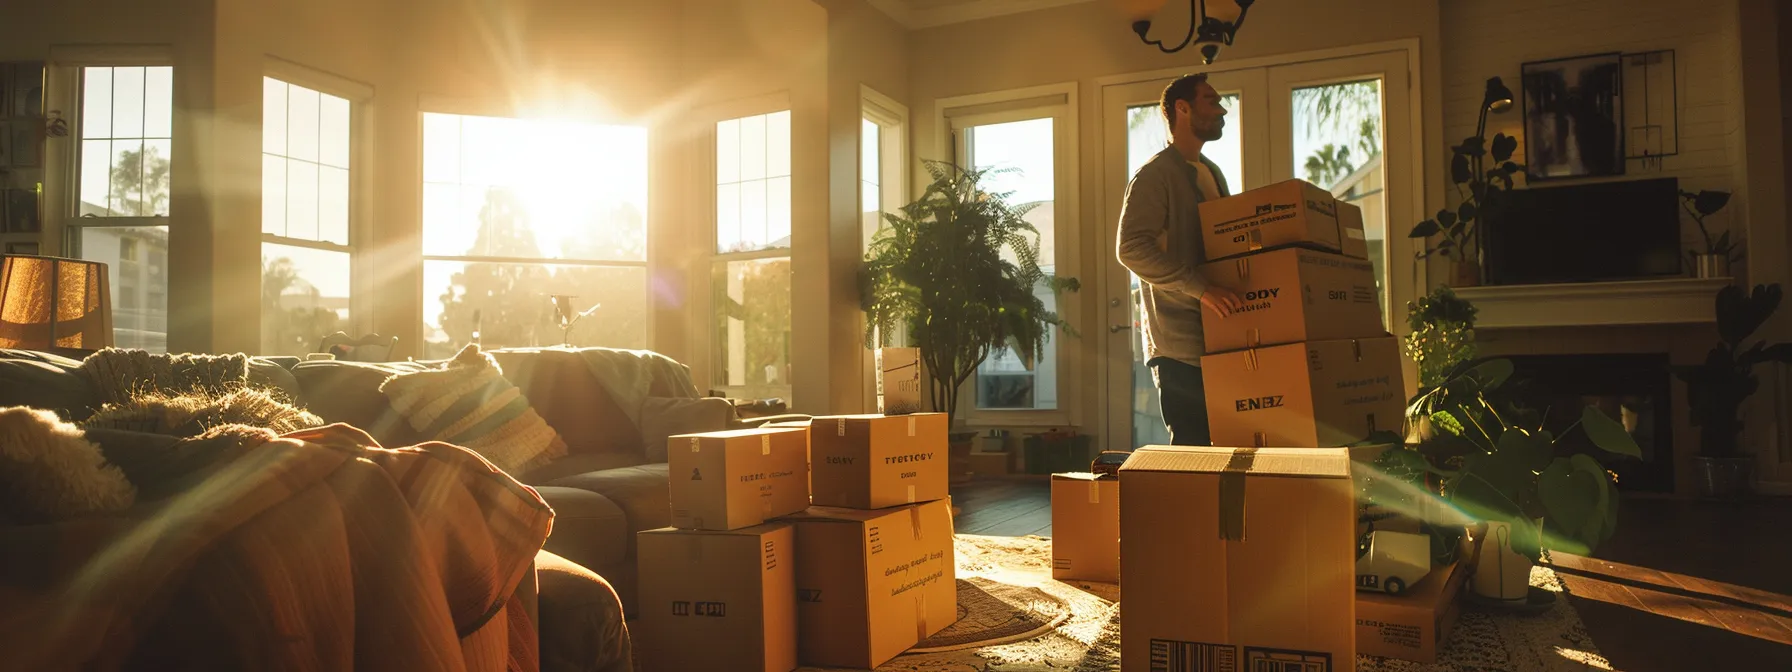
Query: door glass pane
[(1025, 150), (1146, 135), (1337, 140)]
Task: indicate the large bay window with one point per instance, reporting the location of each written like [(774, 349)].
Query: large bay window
[(883, 142), (306, 249), (517, 212), (750, 272), (119, 213)]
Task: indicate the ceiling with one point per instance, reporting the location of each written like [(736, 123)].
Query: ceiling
[(927, 13)]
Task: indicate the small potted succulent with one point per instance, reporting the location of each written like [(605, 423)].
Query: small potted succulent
[(1714, 260), (1717, 388)]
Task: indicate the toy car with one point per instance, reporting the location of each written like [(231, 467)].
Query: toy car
[(1393, 561), (1108, 462)]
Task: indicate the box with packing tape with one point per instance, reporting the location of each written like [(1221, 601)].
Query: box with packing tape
[(1316, 394), (1086, 527), (1287, 213), (733, 591), (1238, 559), (872, 584), (877, 461), (738, 478), (1292, 295), (1412, 625), (899, 382)]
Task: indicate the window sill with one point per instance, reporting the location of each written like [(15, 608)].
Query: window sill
[(980, 419)]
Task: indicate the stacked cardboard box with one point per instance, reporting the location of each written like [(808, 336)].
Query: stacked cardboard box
[(1085, 527), (875, 569), (1307, 361), (725, 572)]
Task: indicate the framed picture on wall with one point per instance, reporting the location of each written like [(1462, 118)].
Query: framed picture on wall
[(1574, 116)]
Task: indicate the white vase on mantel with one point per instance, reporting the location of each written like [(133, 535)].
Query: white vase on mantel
[(1501, 573)]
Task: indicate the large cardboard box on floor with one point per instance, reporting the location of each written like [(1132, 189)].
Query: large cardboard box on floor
[(877, 461), (1287, 213), (899, 380), (1305, 395), (1292, 295), (717, 600), (738, 478), (872, 584), (1238, 560), (1085, 527), (1413, 625)]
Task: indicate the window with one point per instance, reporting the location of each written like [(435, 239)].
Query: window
[(750, 276), (516, 212), (306, 249), (121, 203), (1027, 149), (882, 145)]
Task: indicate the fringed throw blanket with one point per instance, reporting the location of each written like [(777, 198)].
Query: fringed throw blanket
[(241, 549), (118, 375)]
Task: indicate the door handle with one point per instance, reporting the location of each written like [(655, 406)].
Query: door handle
[(1117, 328)]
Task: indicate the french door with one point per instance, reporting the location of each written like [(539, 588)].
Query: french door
[(1343, 124)]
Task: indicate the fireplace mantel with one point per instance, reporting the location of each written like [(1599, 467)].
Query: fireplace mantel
[(1634, 302)]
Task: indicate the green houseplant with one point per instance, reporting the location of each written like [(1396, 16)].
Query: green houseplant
[(1714, 261), (1442, 336), (958, 270), (1478, 187), (1717, 388)]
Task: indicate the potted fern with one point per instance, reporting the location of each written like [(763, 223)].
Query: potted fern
[(958, 271)]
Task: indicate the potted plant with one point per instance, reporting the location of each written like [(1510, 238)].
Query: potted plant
[(1478, 188), (1442, 336), (958, 269), (1714, 261), (1495, 464), (1717, 388)]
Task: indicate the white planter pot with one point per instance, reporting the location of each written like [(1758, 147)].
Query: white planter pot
[(1501, 573)]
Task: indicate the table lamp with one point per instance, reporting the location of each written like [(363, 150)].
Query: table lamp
[(50, 302)]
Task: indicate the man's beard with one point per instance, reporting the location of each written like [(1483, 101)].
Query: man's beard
[(1211, 133)]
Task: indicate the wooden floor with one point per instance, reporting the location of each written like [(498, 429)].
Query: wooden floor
[(1684, 585)]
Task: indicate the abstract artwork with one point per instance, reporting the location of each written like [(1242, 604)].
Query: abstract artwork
[(1574, 117)]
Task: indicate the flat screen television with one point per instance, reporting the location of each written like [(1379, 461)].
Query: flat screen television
[(1600, 232)]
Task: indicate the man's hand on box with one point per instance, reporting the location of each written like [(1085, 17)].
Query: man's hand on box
[(1221, 301)]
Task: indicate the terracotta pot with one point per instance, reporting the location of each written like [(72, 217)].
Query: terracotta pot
[(1500, 572), (1465, 273)]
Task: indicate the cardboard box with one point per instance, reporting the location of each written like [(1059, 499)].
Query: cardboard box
[(1085, 528), (1350, 226), (1411, 626), (1305, 395), (734, 591), (1293, 295), (1238, 559), (877, 461), (738, 478), (991, 463), (872, 584), (1288, 213), (900, 383)]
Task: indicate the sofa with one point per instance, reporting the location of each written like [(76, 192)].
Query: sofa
[(611, 483)]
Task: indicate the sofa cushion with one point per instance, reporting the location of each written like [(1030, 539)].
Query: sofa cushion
[(589, 529), (349, 392), (276, 373), (641, 491), (469, 403), (664, 417), (581, 626), (46, 381), (561, 387)]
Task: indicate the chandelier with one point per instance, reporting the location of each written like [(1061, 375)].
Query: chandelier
[(1212, 24)]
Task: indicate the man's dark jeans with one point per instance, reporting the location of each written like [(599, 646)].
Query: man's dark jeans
[(1184, 401)]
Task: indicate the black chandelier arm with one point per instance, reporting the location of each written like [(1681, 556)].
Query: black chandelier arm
[(1143, 28), (1224, 34)]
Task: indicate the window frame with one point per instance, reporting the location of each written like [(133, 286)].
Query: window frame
[(360, 99), (64, 98), (1058, 102), (708, 254), (891, 118), (471, 107)]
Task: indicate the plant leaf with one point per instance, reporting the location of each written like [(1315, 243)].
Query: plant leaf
[(1446, 218), (1607, 433), (1459, 170), (1573, 502), (1532, 452), (1424, 229), (1468, 211), (1503, 146), (1708, 202), (1473, 145), (1443, 421)]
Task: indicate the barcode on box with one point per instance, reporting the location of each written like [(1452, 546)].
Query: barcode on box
[(1286, 660), (1060, 563), (1173, 656)]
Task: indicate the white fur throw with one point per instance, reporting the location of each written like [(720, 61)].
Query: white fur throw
[(49, 471)]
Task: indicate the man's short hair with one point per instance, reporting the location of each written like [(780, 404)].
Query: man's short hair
[(1184, 88)]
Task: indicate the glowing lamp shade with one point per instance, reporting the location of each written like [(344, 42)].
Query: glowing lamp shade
[(49, 302)]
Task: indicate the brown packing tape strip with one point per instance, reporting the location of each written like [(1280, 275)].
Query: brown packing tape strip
[(1254, 240), (1094, 492), (1253, 337), (914, 516), (1260, 440), (911, 426), (1231, 493), (920, 616), (1356, 349), (765, 444), (696, 444), (1250, 359)]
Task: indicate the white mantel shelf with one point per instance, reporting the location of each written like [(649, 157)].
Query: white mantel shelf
[(1635, 302)]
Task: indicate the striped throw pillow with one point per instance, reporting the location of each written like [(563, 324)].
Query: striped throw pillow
[(470, 404)]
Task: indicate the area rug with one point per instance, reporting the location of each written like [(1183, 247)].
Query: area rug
[(1016, 618)]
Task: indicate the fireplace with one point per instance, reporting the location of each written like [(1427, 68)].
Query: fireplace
[(1634, 389)]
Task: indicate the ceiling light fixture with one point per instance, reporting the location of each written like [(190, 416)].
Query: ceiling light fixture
[(1212, 23)]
